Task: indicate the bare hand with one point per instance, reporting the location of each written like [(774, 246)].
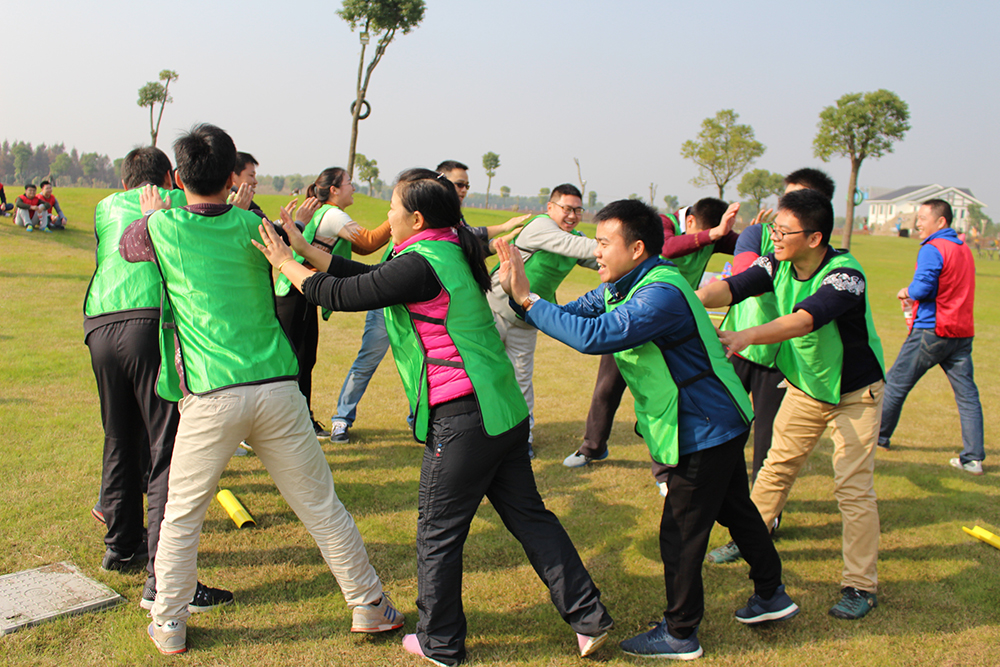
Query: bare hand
[(903, 294), (305, 212), (764, 216), (295, 237), (511, 273), (273, 248), (150, 200), (726, 226), (514, 223), (734, 341), (243, 197)]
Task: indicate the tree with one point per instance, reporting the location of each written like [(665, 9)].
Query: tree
[(652, 194), (22, 160), (672, 202), (722, 150), (583, 183), (278, 183), (543, 195), (635, 196), (296, 182), (592, 199), (759, 184), (491, 161), (504, 193), (154, 93), (861, 125), (367, 171), (382, 19), (62, 166), (978, 219)]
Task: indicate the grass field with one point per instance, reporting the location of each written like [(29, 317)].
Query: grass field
[(938, 587)]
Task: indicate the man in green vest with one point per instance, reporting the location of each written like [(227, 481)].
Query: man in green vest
[(689, 405), (225, 358), (831, 357), (551, 247)]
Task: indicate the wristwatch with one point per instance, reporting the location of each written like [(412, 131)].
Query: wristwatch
[(529, 302)]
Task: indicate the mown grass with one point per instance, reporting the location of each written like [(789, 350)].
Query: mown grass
[(937, 586)]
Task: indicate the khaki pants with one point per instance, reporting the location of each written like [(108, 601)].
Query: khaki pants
[(519, 340), (274, 419), (855, 421)]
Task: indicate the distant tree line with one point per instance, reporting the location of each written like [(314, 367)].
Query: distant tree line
[(21, 163)]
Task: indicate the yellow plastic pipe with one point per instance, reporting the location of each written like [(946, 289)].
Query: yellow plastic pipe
[(984, 535), (239, 514)]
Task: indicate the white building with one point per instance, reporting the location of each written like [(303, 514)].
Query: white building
[(900, 206)]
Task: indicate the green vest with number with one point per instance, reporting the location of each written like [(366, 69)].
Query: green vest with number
[(692, 266), (118, 285), (342, 248), (218, 302), (651, 382), (814, 362), (756, 311), (470, 325)]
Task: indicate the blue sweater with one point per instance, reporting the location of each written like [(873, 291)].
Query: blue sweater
[(925, 278)]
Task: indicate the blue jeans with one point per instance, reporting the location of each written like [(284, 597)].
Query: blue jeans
[(374, 345), (921, 351)]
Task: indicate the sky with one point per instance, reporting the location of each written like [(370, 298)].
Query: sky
[(618, 85)]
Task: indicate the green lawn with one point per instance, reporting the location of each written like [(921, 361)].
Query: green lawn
[(937, 597)]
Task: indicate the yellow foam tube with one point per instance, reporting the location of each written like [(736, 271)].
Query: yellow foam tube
[(239, 514), (984, 535)]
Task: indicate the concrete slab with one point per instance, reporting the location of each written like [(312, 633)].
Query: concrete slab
[(33, 596)]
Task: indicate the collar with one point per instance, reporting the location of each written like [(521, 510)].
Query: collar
[(621, 287), (441, 234), (946, 233)]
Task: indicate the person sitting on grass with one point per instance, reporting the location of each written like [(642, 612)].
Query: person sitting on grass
[(56, 218), (466, 405), (234, 382), (30, 211), (5, 208), (690, 407)]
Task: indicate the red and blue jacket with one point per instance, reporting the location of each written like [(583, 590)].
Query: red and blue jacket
[(944, 286)]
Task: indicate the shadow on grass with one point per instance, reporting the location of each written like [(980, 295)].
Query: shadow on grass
[(47, 276)]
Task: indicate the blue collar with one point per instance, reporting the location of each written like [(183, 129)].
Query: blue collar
[(621, 287), (948, 233)]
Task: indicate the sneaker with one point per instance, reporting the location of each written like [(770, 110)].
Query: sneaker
[(338, 431), (662, 488), (97, 512), (170, 637), (728, 553), (659, 643), (205, 597), (971, 467), (531, 452), (779, 607), (578, 460), (854, 604), (47, 230), (243, 449), (884, 444), (412, 645), (380, 617), (319, 430), (116, 562), (30, 228), (589, 645)]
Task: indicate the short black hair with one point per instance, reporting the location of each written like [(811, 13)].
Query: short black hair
[(708, 212), (145, 165), (242, 160), (567, 189), (44, 183), (451, 165), (29, 185), (812, 179), (206, 158), (640, 222), (812, 209), (940, 208)]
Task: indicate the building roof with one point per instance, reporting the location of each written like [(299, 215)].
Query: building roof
[(918, 192)]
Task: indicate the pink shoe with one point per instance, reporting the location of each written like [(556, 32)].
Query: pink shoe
[(412, 645), (589, 645)]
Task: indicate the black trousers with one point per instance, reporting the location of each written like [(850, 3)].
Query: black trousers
[(462, 464), (608, 392), (139, 430), (762, 383), (301, 324), (708, 486)]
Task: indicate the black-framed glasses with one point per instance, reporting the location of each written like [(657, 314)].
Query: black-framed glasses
[(570, 209), (461, 185), (780, 234)]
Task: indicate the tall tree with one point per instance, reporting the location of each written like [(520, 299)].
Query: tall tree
[(759, 184), (381, 19), (504, 193), (672, 202), (491, 162), (859, 126), (722, 150), (154, 93), (367, 171)]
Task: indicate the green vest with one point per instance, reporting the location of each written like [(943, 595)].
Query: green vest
[(650, 380), (756, 311), (814, 362), (341, 247), (692, 266), (118, 285), (469, 322), (219, 303), (546, 270)]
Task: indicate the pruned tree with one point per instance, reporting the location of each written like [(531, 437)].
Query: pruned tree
[(381, 19), (860, 126), (491, 162), (367, 171), (672, 202), (722, 150), (652, 194), (579, 175), (504, 193), (153, 93), (759, 184)]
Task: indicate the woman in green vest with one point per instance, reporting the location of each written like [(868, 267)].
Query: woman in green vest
[(468, 409)]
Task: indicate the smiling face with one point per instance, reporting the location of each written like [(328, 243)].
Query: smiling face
[(248, 176), (401, 221), (928, 222), (566, 211), (47, 190), (343, 196), (791, 241), (615, 257)]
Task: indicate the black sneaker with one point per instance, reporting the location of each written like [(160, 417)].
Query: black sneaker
[(320, 431), (116, 562), (854, 604), (205, 598)]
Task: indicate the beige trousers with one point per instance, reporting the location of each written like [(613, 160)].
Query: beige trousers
[(274, 420), (519, 341), (800, 422)]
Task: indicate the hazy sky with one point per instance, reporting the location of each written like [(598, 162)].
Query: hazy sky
[(620, 85)]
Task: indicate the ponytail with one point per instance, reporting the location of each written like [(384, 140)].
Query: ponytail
[(327, 180), (473, 250)]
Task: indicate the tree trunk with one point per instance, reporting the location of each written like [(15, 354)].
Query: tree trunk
[(852, 185), (489, 181), (722, 190), (358, 99), (152, 132)]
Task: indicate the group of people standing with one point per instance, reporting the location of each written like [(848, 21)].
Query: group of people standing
[(195, 349)]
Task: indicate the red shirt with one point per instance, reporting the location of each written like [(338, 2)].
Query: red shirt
[(30, 202), (50, 200)]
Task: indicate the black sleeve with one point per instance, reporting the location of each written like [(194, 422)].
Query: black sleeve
[(757, 279), (407, 278), (3, 196), (841, 291)]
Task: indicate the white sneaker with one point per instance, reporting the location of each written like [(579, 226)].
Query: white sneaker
[(971, 467), (338, 432), (170, 637), (578, 460), (380, 617), (662, 486)]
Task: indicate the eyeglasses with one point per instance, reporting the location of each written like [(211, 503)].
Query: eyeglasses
[(780, 234), (461, 185), (570, 209)]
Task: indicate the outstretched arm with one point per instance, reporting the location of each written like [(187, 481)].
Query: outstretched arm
[(784, 328)]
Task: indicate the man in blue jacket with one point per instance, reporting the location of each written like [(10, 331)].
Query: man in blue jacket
[(690, 407)]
